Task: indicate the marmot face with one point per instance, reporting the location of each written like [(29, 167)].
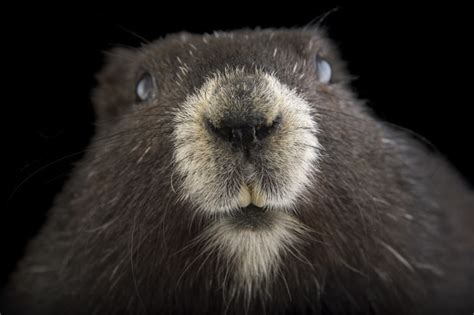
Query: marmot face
[(231, 128), (243, 127)]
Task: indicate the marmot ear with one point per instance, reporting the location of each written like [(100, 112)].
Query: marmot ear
[(115, 85)]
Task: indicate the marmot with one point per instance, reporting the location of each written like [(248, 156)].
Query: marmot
[(238, 173)]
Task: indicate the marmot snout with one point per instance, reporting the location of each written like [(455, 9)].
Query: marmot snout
[(254, 128), (246, 119)]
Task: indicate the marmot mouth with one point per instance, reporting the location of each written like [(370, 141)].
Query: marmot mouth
[(248, 196), (251, 217), (250, 209)]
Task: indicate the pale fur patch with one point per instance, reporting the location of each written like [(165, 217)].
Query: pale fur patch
[(210, 177), (251, 256), (207, 171)]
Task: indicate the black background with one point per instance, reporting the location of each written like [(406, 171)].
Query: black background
[(410, 63)]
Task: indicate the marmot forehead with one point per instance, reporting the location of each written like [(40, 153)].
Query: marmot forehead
[(284, 52), (181, 63), (299, 41)]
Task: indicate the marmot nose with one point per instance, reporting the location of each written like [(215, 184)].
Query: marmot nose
[(243, 133)]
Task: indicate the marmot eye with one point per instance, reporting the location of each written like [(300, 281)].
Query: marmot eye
[(145, 87), (323, 70)]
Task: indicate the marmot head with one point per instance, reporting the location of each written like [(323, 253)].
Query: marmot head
[(241, 109), (244, 149)]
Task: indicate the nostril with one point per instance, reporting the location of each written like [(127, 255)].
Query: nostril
[(243, 133), (263, 131), (225, 133)]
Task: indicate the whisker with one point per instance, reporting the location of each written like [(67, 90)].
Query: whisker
[(123, 28), (88, 149), (132, 265), (401, 128), (318, 21)]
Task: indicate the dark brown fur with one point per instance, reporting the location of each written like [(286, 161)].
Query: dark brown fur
[(118, 239)]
